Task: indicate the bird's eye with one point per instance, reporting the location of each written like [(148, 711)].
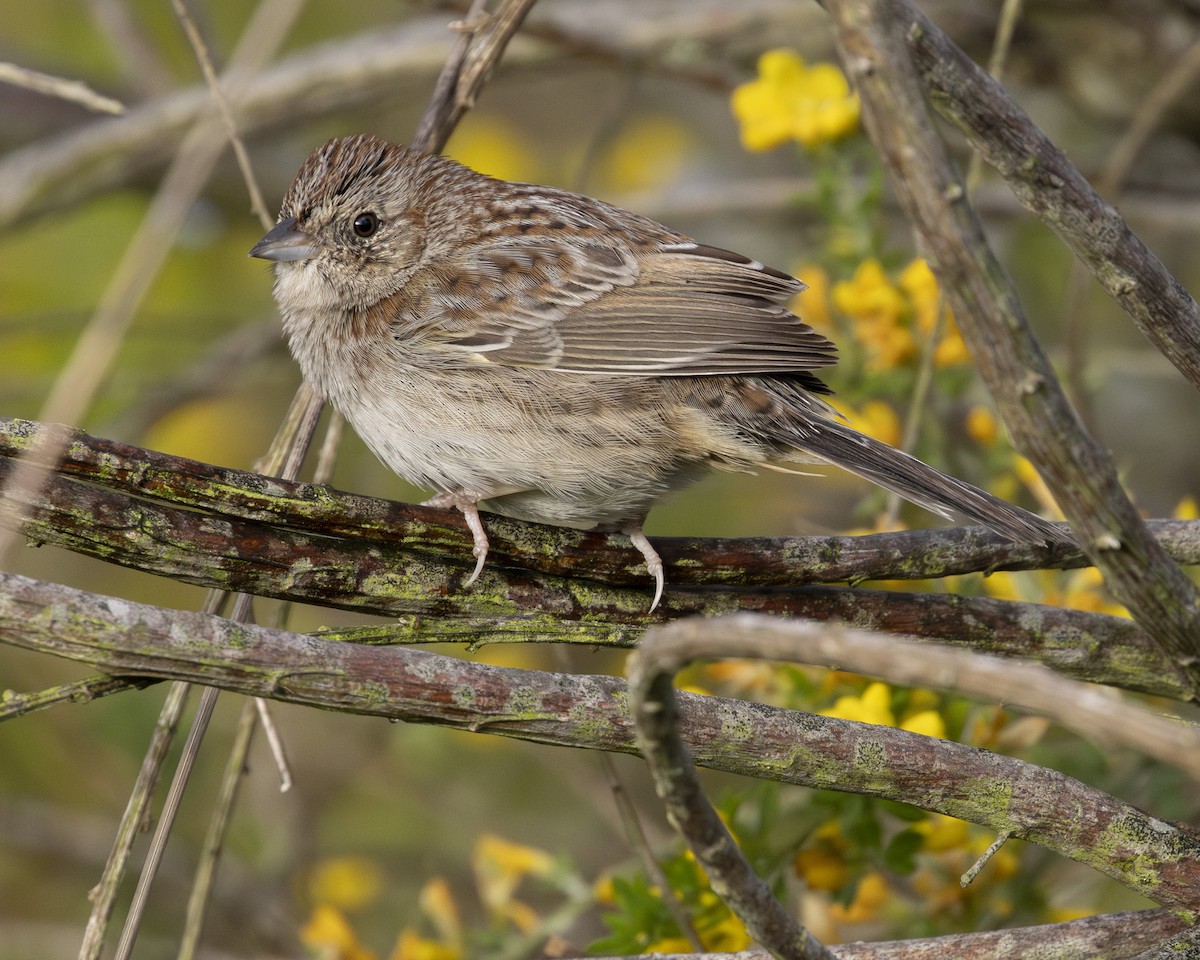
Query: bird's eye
[(365, 224)]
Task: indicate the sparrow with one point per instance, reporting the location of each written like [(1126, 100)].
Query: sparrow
[(556, 358)]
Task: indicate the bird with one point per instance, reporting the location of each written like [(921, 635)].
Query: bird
[(554, 357)]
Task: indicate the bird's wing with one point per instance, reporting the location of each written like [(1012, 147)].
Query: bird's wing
[(670, 309)]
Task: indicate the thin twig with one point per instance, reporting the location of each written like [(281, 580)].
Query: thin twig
[(74, 91), (13, 704), (200, 49), (655, 712), (97, 345), (144, 257), (1095, 714), (1179, 78), (162, 828), (993, 848), (135, 817), (631, 822), (1006, 25), (1183, 945), (214, 839)]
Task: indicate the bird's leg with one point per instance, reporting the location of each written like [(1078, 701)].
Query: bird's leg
[(654, 564), (468, 505)]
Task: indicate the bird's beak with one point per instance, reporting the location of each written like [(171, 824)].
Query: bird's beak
[(285, 243)]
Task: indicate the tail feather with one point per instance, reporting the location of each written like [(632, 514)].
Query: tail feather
[(920, 483)]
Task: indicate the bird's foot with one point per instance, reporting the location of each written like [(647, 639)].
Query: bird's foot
[(654, 564), (468, 505)]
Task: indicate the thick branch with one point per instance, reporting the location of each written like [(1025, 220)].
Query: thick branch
[(313, 544), (1078, 470), (1114, 936), (1050, 186), (1151, 856)]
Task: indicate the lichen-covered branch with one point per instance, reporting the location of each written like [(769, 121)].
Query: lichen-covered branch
[(1049, 185), (1149, 855), (313, 544), (1078, 470)]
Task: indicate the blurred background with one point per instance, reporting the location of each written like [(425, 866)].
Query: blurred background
[(627, 100)]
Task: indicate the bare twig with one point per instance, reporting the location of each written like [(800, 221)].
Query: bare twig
[(655, 712), (1175, 82), (84, 371), (993, 848), (200, 49), (74, 91), (133, 820), (214, 838), (1186, 943), (13, 704), (1114, 936), (100, 339), (631, 822)]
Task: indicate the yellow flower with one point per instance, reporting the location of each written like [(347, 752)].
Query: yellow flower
[(328, 935), (727, 935), (812, 303), (1187, 509), (878, 308), (869, 294), (952, 348), (669, 945), (437, 903), (982, 426), (412, 946), (603, 890), (872, 893), (928, 723), (1027, 473), (873, 706), (349, 883), (822, 868), (499, 868), (944, 833), (921, 286), (1076, 589), (793, 101), (918, 281), (875, 418)]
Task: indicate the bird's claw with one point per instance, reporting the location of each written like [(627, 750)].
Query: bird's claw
[(468, 505), (654, 564)]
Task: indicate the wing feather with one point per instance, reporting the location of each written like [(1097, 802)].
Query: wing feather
[(594, 306)]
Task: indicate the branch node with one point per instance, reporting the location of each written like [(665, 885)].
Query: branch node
[(1107, 542), (987, 855)]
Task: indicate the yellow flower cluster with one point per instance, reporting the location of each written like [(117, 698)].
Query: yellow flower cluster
[(791, 100), (887, 315), (346, 884)]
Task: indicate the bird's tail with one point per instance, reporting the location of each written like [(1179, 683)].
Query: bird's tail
[(919, 483)]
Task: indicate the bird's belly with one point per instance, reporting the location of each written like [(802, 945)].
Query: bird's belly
[(538, 445)]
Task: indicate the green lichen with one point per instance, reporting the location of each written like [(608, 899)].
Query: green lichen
[(373, 692), (593, 726), (524, 704), (463, 696), (869, 757)]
